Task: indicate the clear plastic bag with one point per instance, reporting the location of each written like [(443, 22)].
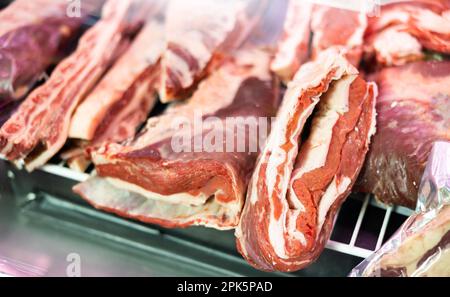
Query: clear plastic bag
[(421, 247)]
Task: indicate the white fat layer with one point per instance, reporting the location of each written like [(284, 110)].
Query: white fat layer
[(182, 68), (394, 46), (334, 104), (373, 123), (104, 194), (357, 38), (430, 21), (333, 191), (178, 198), (276, 235)]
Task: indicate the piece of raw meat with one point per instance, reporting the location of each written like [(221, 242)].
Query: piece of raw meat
[(39, 128), (318, 27), (394, 47), (293, 48), (122, 100), (198, 34), (334, 27), (32, 36), (159, 178), (413, 112), (402, 30), (296, 189), (125, 95)]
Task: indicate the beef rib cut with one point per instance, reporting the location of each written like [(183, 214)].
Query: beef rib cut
[(39, 128), (296, 190)]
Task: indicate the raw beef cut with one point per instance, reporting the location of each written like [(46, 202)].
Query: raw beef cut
[(296, 189), (403, 30), (319, 27), (157, 179), (125, 95), (413, 112), (338, 27), (293, 48), (32, 35), (39, 128), (198, 34), (120, 103)]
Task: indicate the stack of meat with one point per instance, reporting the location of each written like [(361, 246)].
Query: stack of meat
[(282, 189), (153, 180), (33, 35), (414, 99)]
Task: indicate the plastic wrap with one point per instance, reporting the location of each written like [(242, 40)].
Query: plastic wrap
[(421, 247)]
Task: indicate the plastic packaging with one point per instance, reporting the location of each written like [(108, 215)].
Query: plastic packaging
[(421, 247)]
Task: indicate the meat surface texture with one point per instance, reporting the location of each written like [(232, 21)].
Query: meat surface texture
[(403, 30), (333, 27), (293, 48), (198, 34), (32, 33), (125, 95), (39, 128), (296, 189), (154, 180), (310, 29), (413, 112)]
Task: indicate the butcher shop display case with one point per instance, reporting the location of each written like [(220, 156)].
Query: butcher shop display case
[(322, 145)]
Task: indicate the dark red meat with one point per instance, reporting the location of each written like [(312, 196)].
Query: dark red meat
[(413, 112), (32, 35)]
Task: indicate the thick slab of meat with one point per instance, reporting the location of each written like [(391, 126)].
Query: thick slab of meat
[(338, 27), (295, 191), (125, 95), (293, 48), (32, 33), (413, 112), (198, 34), (425, 22), (151, 179), (39, 129)]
